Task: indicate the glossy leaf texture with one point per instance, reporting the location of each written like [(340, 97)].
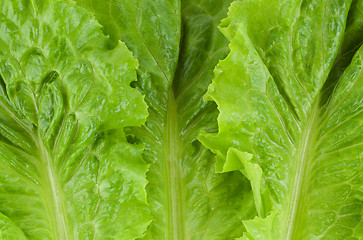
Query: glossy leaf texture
[(66, 168), (291, 110), (177, 44), (352, 40)]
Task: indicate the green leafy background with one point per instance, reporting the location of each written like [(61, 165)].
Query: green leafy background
[(104, 133)]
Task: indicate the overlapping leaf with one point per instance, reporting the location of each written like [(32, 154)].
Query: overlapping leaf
[(177, 44), (298, 142)]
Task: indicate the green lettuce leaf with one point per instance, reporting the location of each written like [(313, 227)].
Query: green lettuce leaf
[(9, 230), (178, 44), (66, 168), (352, 40), (291, 115)]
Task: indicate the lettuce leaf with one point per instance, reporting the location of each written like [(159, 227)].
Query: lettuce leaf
[(108, 137), (291, 110), (178, 44), (66, 168)]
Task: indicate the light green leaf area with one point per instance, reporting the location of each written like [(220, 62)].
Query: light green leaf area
[(352, 40), (9, 230), (177, 44), (66, 168), (299, 144)]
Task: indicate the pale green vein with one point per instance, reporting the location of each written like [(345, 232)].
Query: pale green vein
[(173, 173), (301, 168), (53, 196)]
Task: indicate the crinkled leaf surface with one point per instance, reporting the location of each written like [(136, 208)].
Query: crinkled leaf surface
[(297, 137), (178, 44), (352, 40), (66, 169)]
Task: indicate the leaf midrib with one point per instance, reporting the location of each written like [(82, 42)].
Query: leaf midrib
[(53, 195), (303, 159), (173, 173), (171, 164)]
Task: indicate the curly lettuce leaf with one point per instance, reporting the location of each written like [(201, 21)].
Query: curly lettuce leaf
[(178, 44), (299, 143), (66, 168)]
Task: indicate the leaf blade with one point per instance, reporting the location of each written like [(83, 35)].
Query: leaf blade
[(63, 95)]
